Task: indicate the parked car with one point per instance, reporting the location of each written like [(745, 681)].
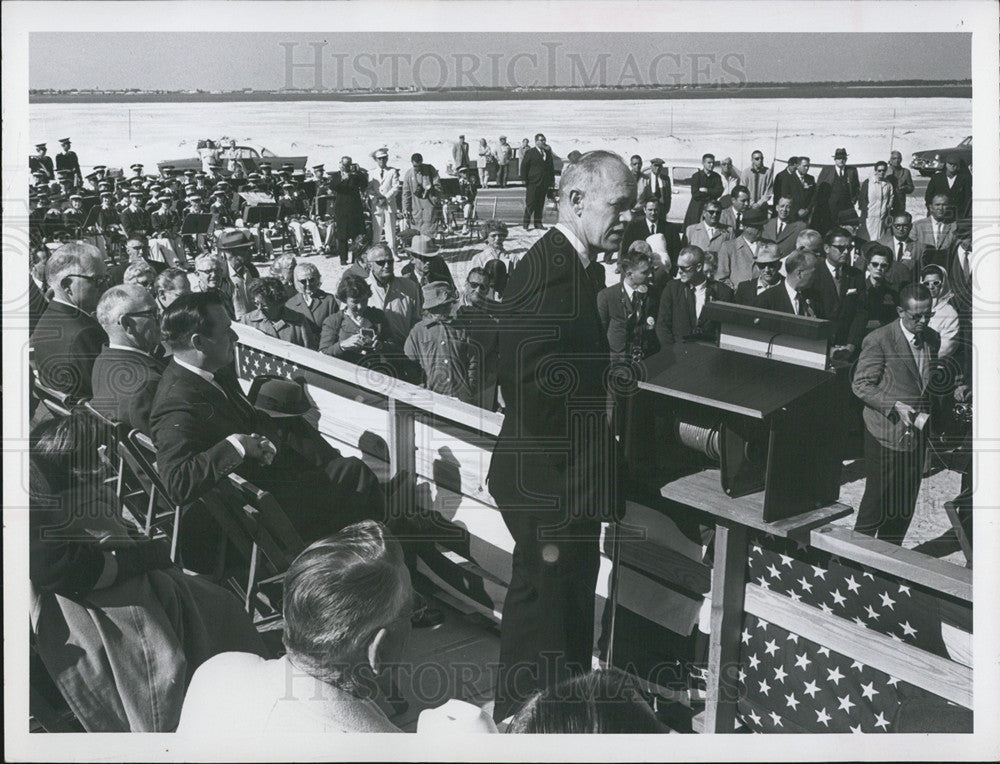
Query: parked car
[(226, 154), (929, 162)]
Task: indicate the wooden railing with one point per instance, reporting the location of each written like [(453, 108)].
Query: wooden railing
[(444, 445)]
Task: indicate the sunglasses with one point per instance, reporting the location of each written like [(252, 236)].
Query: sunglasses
[(384, 262), (879, 266), (99, 280), (770, 266)]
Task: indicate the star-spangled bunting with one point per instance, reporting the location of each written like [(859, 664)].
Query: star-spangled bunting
[(254, 363), (790, 684)]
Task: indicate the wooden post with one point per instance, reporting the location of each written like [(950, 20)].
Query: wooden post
[(402, 459), (728, 591)]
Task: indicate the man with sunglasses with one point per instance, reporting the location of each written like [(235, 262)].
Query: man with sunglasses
[(899, 239), (841, 290), (892, 378), (67, 338), (127, 372), (710, 234), (759, 181), (768, 263)]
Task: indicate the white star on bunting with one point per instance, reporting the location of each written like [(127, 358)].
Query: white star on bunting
[(792, 702), (771, 647), (853, 585), (806, 586), (846, 704), (802, 661), (823, 716), (780, 674), (775, 719), (887, 601), (880, 721), (868, 691), (811, 689), (834, 675)]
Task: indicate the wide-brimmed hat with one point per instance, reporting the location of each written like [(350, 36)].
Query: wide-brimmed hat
[(232, 240), (283, 398), (656, 160), (379, 153), (768, 255), (755, 217), (840, 154), (848, 217), (438, 293), (422, 246)]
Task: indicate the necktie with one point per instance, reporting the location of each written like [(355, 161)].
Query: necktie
[(899, 251), (652, 228), (739, 220), (692, 311), (836, 276), (803, 308), (923, 364), (781, 227)]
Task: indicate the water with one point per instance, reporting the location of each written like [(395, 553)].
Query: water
[(325, 130)]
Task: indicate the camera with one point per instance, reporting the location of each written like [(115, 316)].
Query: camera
[(367, 335)]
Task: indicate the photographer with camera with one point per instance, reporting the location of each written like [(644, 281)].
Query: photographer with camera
[(348, 185), (422, 196), (353, 334)]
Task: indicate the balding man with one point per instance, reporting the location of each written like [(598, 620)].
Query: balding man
[(67, 338), (126, 373), (553, 473), (169, 285), (783, 228)]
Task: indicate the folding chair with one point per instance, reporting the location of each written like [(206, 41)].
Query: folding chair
[(124, 475), (255, 524), (162, 511), (58, 403)]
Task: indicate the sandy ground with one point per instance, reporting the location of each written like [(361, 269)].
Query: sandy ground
[(930, 528)]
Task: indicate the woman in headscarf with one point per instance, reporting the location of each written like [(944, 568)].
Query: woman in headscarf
[(875, 201), (945, 318)]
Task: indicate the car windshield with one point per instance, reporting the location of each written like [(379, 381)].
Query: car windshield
[(966, 142)]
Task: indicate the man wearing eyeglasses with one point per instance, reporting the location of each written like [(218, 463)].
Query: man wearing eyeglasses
[(710, 234), (899, 240), (892, 377), (683, 300), (841, 290), (67, 338), (126, 372), (758, 180), (768, 264)]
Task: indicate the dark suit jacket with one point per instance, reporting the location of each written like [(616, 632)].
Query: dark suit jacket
[(782, 185), (833, 194), (886, 372), (746, 292), (348, 209), (676, 319), (645, 191), (776, 298), (803, 193), (786, 240), (65, 344), (846, 306), (37, 303), (323, 305), (711, 181), (623, 320), (960, 192), (555, 441), (638, 230), (124, 385), (536, 171), (880, 303), (288, 326)]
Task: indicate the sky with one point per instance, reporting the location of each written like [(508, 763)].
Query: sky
[(271, 61)]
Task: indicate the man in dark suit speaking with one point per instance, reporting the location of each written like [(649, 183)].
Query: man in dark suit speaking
[(538, 174), (554, 468)]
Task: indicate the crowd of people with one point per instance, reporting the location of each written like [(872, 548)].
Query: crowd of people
[(134, 314)]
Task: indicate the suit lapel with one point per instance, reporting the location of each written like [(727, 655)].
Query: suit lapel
[(905, 352)]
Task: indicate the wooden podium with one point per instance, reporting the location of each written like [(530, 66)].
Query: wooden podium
[(771, 428)]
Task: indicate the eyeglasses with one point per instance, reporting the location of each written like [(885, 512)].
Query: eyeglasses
[(478, 285), (311, 281), (919, 316), (770, 266), (931, 283), (841, 247), (384, 263), (689, 268), (151, 314), (879, 266), (209, 272), (99, 280), (713, 212)]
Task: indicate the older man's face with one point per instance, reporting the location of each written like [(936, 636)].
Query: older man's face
[(142, 322), (306, 282), (180, 287), (939, 207), (209, 275), (88, 283), (606, 209), (838, 250), (711, 214), (652, 211), (784, 209), (803, 166), (690, 269)]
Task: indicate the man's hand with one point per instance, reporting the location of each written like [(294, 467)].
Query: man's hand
[(803, 213), (258, 448), (905, 412), (963, 393), (841, 352), (354, 341)]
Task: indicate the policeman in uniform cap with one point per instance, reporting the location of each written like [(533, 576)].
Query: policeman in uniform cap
[(40, 162), (73, 215), (137, 169), (67, 160)]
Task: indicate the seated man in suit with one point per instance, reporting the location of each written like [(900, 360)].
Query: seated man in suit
[(783, 228), (125, 373), (652, 222), (67, 338), (679, 317), (204, 428), (794, 294), (347, 605), (934, 236), (841, 291), (892, 378), (737, 256), (169, 285), (732, 216), (709, 234), (275, 319), (769, 266)]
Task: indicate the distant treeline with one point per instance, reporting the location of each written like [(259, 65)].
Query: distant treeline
[(854, 89)]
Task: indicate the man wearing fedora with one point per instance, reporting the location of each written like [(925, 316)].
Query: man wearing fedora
[(737, 257), (237, 247), (67, 160), (426, 265), (768, 267), (656, 185), (444, 351), (836, 189)]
